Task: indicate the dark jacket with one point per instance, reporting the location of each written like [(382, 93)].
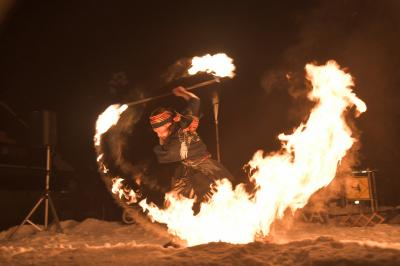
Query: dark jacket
[(183, 143)]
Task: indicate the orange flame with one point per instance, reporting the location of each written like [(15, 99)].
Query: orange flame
[(107, 119), (286, 179), (128, 194), (218, 65)]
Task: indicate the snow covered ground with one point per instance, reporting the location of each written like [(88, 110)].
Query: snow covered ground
[(95, 242)]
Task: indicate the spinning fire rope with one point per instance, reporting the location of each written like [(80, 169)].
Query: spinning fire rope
[(219, 66), (306, 162)]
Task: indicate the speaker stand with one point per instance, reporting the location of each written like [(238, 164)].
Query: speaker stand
[(46, 198)]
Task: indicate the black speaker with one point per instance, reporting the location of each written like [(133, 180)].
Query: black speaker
[(43, 128)]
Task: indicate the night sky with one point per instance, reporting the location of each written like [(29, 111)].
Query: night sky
[(78, 57)]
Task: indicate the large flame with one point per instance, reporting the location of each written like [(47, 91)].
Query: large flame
[(219, 65), (285, 179)]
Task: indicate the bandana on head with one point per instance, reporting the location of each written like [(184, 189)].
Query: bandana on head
[(161, 119)]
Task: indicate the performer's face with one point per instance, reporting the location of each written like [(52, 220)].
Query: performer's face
[(163, 131)]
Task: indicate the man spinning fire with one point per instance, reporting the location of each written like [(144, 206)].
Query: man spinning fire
[(179, 142)]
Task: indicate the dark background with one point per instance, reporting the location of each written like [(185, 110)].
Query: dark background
[(78, 57)]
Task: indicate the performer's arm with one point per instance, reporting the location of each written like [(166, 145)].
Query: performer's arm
[(193, 107)]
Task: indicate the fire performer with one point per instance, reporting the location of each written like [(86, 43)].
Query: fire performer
[(179, 142)]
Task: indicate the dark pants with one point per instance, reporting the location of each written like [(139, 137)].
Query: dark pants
[(195, 179)]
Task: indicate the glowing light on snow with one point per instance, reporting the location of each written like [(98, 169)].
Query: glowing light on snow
[(218, 65), (306, 162)]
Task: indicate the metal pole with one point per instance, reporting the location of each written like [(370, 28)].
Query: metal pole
[(46, 202), (374, 189), (371, 195), (215, 101), (198, 85)]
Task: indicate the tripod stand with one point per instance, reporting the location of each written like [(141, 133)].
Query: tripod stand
[(47, 200)]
